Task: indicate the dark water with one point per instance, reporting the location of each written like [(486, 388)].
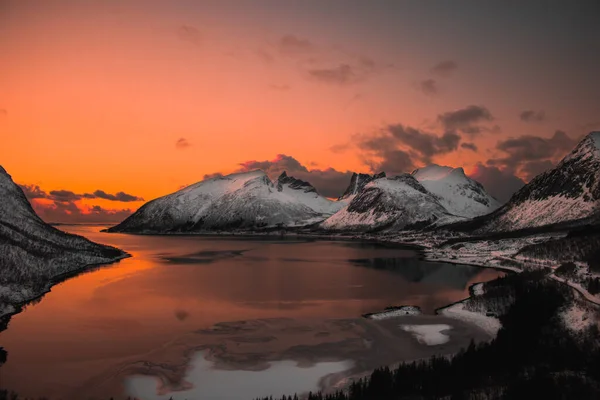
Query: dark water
[(176, 284)]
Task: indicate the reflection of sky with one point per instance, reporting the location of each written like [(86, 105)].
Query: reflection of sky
[(143, 302), (281, 378)]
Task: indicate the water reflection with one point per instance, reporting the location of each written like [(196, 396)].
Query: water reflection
[(176, 284)]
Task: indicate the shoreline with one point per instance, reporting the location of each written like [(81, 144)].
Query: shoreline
[(57, 279)]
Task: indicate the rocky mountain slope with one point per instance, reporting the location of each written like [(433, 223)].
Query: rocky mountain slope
[(396, 203), (566, 193), (32, 253), (357, 183), (459, 194), (241, 201)]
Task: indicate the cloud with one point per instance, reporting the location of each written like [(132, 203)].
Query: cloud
[(182, 143), (398, 148), (61, 206), (119, 196), (210, 176), (189, 34), (429, 87), (33, 192), (66, 196), (290, 44), (528, 154), (445, 68), (340, 148), (340, 75), (69, 212), (329, 182), (3, 112), (532, 116), (500, 184), (467, 120), (469, 146)]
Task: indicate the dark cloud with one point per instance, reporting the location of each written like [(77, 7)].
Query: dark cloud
[(528, 154), (181, 315), (33, 192), (356, 69), (61, 206), (500, 184), (189, 34), (534, 168), (467, 120), (444, 68), (120, 196), (182, 143), (291, 44), (429, 87), (329, 182), (398, 148), (393, 162), (69, 212), (469, 146), (64, 196), (209, 176), (340, 75), (426, 144), (532, 116)]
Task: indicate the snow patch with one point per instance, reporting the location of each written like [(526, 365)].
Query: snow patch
[(490, 325), (431, 335)]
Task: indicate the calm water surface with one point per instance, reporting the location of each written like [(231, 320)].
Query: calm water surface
[(173, 285)]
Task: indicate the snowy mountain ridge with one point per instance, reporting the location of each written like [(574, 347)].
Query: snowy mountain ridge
[(459, 194), (245, 200), (395, 203), (568, 192)]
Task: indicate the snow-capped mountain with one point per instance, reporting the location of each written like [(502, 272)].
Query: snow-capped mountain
[(33, 253), (357, 183), (568, 192), (246, 200), (396, 203), (459, 194)]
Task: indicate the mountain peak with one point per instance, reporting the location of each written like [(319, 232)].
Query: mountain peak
[(436, 172), (294, 183), (358, 181)]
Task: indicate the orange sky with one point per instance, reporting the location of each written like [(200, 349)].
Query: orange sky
[(96, 95)]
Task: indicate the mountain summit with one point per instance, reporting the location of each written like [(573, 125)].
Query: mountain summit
[(568, 192), (459, 194), (246, 201)]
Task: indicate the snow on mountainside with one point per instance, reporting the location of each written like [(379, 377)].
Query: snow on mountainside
[(33, 253), (459, 194), (568, 192), (247, 200), (389, 203)]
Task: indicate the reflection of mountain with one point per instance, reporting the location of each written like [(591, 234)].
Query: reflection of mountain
[(414, 270)]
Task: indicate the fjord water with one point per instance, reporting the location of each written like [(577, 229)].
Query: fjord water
[(176, 284)]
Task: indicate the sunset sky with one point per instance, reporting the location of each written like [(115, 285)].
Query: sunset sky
[(106, 103)]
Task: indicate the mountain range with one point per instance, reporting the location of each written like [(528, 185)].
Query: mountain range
[(430, 197)]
